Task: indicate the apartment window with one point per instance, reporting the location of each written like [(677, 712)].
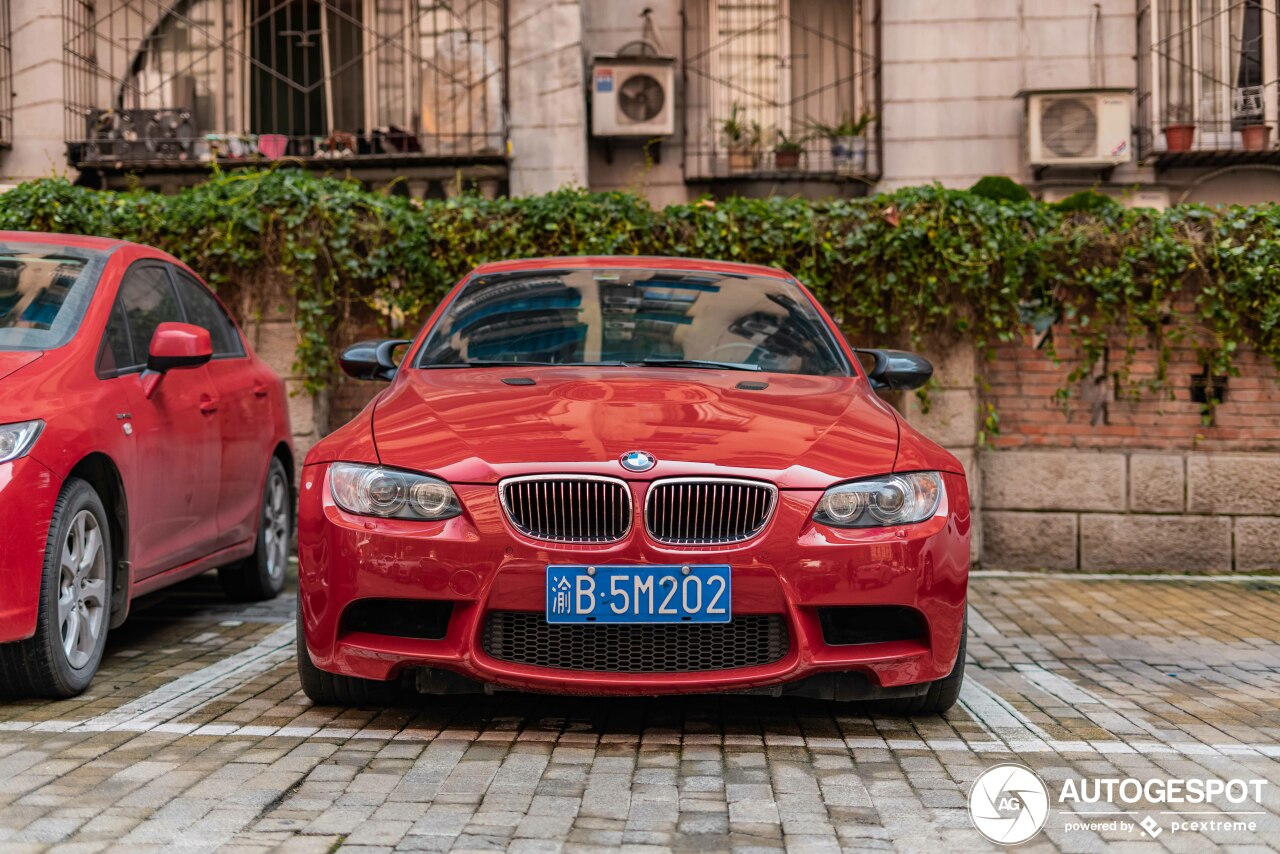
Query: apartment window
[(328, 79), (765, 73), (1208, 75)]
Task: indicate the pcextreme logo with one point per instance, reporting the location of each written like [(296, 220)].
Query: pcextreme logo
[(1009, 803)]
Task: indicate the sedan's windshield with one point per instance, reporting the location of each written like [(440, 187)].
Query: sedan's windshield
[(660, 318), (43, 294)]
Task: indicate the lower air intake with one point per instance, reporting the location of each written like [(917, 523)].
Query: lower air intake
[(525, 637)]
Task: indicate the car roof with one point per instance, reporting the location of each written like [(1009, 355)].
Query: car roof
[(77, 241), (633, 262)]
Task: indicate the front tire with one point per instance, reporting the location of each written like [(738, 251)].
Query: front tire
[(63, 655), (331, 689), (942, 694), (260, 576)]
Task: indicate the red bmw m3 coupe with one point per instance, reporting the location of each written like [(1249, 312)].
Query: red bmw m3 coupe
[(632, 476), (141, 442)]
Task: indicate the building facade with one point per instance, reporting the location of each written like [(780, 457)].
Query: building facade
[(1153, 101)]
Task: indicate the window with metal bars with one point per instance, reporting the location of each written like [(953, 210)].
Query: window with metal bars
[(768, 81), (264, 79), (1208, 76), (6, 76)]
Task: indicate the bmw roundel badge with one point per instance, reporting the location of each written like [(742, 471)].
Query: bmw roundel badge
[(637, 461)]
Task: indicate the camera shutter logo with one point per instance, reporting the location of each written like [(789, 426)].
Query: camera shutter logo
[(1009, 804)]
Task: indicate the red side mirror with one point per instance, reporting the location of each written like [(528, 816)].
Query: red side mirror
[(173, 346)]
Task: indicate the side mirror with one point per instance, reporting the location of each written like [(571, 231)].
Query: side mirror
[(896, 370), (175, 346), (372, 360)]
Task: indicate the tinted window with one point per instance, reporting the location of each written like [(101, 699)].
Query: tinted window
[(630, 316), (44, 291), (117, 347), (148, 300), (203, 310)]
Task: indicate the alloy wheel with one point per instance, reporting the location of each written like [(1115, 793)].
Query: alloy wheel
[(82, 589), (275, 526)]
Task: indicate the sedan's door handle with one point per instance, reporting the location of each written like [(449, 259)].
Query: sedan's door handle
[(260, 389), (208, 405)]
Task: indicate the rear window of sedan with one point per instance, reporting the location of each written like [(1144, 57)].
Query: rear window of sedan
[(44, 291), (614, 316)]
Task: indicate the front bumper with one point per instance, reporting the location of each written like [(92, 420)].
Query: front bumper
[(28, 492), (480, 564)]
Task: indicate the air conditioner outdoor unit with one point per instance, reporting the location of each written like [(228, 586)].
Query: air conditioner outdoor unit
[(632, 96), (1079, 127)]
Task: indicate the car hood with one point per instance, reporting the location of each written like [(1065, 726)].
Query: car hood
[(13, 360), (469, 426)]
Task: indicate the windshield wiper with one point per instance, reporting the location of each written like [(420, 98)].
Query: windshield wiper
[(701, 363), (524, 363)]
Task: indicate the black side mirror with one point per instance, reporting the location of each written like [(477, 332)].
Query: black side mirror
[(371, 360), (896, 370)]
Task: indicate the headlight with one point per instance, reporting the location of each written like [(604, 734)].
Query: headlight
[(391, 493), (17, 439), (895, 499)]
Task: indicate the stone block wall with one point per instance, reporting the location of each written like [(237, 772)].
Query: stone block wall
[(1138, 510)]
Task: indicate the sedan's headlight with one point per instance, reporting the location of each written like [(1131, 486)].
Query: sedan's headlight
[(17, 439), (895, 499), (391, 493)]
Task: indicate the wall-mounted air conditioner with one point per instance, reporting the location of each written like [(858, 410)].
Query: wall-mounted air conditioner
[(633, 96), (1079, 127)]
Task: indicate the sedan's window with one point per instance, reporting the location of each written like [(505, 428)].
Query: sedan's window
[(117, 348), (148, 300), (203, 310), (634, 316), (44, 291)]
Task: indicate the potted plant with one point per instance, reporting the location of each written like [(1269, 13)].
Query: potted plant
[(1179, 132), (848, 142), (742, 138), (787, 151), (1256, 135)]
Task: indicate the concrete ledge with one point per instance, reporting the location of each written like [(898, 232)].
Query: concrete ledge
[(1140, 542), (1053, 480), (1014, 540)]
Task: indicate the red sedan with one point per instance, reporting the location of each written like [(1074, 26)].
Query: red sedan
[(633, 476), (141, 442)]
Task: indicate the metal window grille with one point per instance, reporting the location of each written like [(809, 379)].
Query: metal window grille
[(1208, 77), (6, 76), (150, 81), (780, 66)]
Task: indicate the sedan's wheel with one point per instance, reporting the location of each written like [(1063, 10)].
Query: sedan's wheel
[(261, 575), (62, 657)]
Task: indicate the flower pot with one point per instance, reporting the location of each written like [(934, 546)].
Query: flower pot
[(743, 159), (786, 160), (1256, 137), (849, 155), (1179, 137)]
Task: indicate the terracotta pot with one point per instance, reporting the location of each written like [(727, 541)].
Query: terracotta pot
[(786, 159), (743, 159), (1256, 137), (1179, 137)]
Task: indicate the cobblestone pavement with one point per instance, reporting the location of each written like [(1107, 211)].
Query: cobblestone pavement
[(196, 736)]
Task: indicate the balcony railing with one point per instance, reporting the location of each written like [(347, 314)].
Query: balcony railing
[(152, 85), (770, 85), (1208, 82)]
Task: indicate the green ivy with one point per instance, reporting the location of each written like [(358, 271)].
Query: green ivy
[(906, 266)]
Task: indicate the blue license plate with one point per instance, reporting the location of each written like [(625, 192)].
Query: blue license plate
[(638, 594)]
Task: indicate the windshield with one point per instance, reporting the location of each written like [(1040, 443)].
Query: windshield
[(43, 294), (632, 317)]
